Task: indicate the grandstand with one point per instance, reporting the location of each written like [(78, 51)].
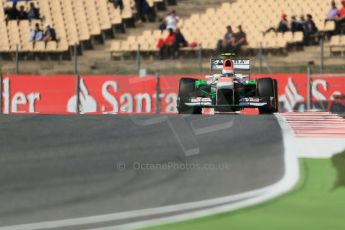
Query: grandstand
[(82, 22), (254, 20), (77, 22), (337, 44)]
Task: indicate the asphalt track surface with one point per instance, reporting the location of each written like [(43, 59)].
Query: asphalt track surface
[(61, 167)]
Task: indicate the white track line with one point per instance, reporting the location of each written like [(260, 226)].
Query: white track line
[(132, 214)]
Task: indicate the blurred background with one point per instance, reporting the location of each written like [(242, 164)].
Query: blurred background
[(120, 36)]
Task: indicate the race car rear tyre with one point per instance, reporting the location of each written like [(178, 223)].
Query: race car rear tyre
[(267, 87), (187, 90)]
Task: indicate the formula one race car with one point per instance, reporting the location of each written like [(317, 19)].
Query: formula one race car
[(227, 92)]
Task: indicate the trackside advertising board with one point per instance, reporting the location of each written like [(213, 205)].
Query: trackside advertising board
[(113, 95), (57, 94), (37, 94), (325, 92)]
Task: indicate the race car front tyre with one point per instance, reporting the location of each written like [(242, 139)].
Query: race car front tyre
[(187, 89), (276, 96), (268, 87)]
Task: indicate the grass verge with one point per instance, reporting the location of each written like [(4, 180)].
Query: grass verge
[(317, 202)]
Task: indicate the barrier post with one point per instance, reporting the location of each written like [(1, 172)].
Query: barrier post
[(1, 87), (321, 55), (309, 87), (17, 59), (78, 95), (200, 58), (138, 59), (158, 93), (342, 34), (260, 58), (75, 57)]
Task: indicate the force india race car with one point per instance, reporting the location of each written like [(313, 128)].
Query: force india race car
[(228, 91)]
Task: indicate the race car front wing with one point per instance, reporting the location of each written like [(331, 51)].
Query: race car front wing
[(250, 102)]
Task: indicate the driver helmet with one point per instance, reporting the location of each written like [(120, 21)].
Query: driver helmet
[(228, 68)]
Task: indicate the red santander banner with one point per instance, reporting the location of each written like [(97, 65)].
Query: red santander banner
[(37, 94), (325, 90), (116, 95), (57, 94)]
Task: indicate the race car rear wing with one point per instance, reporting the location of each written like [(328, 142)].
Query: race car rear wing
[(217, 64)]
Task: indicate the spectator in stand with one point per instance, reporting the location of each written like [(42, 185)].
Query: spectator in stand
[(332, 13), (340, 19), (225, 44), (49, 34), (12, 12), (283, 26), (167, 45), (303, 23), (297, 26), (143, 9), (151, 13), (239, 39), (36, 34), (117, 4), (171, 20), (33, 13), (162, 25), (22, 14), (179, 42), (310, 29)]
